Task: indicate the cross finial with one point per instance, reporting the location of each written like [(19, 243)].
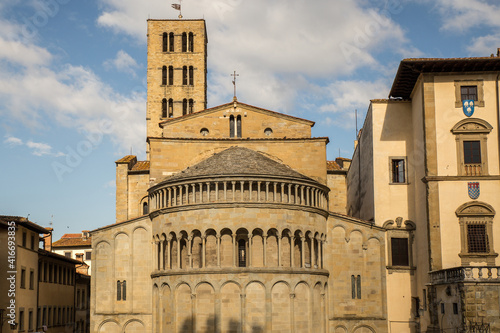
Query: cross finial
[(234, 83)]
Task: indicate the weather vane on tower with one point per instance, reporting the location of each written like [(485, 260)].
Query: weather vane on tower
[(177, 6)]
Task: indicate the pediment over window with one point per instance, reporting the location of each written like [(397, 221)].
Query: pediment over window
[(475, 208), (472, 125)]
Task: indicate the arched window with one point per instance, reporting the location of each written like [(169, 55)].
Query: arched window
[(118, 290), (165, 42), (242, 253), (164, 108), (191, 42), (476, 232), (124, 290), (145, 209), (170, 108), (164, 75), (171, 42), (191, 105), (170, 75), (231, 126), (191, 75), (184, 75), (238, 126), (184, 107), (184, 42)]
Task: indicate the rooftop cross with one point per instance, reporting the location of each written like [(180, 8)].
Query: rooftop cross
[(234, 83)]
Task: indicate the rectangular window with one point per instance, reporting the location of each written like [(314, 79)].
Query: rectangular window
[(32, 279), (455, 308), (21, 320), (49, 317), (78, 299), (84, 304), (38, 317), (32, 242), (44, 317), (88, 255), (468, 93), (24, 239), (398, 170), (30, 320), (477, 239), (399, 253), (23, 277), (472, 152), (67, 254)]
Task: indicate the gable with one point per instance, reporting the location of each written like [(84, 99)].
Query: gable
[(255, 123)]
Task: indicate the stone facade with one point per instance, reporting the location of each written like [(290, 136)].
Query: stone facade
[(233, 224), (411, 174)]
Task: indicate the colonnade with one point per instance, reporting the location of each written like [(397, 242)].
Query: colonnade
[(238, 190), (238, 249)]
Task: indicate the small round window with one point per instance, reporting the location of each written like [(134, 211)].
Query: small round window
[(268, 131), (204, 132)]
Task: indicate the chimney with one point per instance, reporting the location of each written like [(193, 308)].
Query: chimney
[(47, 240), (498, 52)]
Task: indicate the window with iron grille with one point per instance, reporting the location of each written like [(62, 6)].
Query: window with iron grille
[(477, 240)]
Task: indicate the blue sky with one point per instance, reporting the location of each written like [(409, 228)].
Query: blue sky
[(73, 94)]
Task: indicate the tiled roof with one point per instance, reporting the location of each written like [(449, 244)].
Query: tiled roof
[(126, 159), (237, 161), (72, 240), (140, 166), (410, 69), (332, 165)]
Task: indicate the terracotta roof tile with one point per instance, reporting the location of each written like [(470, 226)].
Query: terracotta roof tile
[(237, 161), (72, 240), (126, 159), (140, 166), (332, 165)]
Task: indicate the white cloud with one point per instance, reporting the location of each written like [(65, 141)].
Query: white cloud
[(38, 148), (123, 62), (461, 15), (277, 47), (484, 45), (13, 141), (41, 149)]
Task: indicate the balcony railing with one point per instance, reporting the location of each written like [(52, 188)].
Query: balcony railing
[(473, 169), (466, 274)]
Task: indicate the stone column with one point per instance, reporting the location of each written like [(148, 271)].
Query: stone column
[(155, 256), (181, 199), (203, 249), (208, 191), (168, 253), (292, 312), (297, 198), (175, 197), (201, 192), (303, 252), (162, 254), (233, 189), (264, 240), (258, 191), (250, 240), (187, 194), (179, 253), (216, 191), (217, 239), (235, 250), (279, 250), (320, 248), (292, 253), (190, 254), (194, 192), (282, 186), (250, 189), (274, 192), (289, 193), (242, 191), (267, 191), (225, 191)]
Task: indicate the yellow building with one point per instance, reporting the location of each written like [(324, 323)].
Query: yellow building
[(427, 171), (40, 284), (235, 222)]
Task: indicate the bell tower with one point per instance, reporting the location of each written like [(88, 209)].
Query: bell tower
[(177, 70)]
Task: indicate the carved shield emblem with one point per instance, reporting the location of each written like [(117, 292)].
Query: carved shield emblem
[(473, 190), (468, 107)]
